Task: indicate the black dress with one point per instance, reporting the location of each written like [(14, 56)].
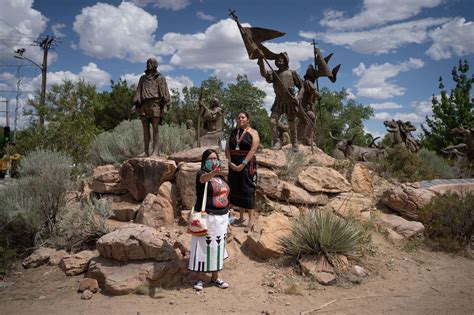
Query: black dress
[(242, 184)]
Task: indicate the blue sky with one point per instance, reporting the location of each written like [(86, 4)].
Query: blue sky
[(392, 52)]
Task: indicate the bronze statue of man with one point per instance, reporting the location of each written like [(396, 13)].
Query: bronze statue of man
[(151, 101), (212, 115), (285, 82), (307, 97)]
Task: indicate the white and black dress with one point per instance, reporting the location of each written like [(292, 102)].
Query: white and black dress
[(208, 252)]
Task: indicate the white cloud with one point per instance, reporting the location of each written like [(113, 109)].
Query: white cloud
[(205, 17), (220, 49), (268, 89), (350, 95), (377, 12), (424, 107), (385, 105), (178, 82), (453, 38), (174, 5), (373, 80), (56, 28), (413, 117), (131, 78), (380, 40), (124, 32), (20, 24)]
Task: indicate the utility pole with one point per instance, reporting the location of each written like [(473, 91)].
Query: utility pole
[(45, 44)]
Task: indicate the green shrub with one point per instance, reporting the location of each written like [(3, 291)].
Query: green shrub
[(126, 141), (324, 233), (406, 166), (31, 206), (449, 221), (81, 228), (293, 166)]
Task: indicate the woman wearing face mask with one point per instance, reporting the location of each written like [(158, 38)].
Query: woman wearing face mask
[(241, 147), (208, 252)]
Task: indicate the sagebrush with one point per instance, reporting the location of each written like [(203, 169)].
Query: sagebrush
[(126, 141), (294, 164), (449, 222)]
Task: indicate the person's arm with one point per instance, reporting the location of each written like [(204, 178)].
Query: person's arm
[(227, 154), (252, 151), (264, 73), (208, 176)]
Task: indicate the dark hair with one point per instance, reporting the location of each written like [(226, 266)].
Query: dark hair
[(245, 113), (205, 155)]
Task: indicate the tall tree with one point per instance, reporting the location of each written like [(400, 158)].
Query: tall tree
[(343, 118), (451, 111), (115, 105)]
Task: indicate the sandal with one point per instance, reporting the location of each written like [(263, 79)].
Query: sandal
[(238, 222)]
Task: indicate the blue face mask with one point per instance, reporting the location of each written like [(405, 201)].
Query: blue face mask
[(211, 165)]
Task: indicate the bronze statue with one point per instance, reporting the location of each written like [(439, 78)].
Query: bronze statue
[(151, 101), (467, 134), (402, 134), (283, 134), (212, 115), (213, 119), (307, 98), (191, 132), (285, 81)]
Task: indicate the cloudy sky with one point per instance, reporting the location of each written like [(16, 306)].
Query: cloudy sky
[(392, 51)]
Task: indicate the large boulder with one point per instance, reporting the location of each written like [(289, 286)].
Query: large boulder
[(185, 184), (192, 155), (323, 179), (317, 157), (273, 159), (119, 278), (75, 264), (124, 207), (362, 180), (290, 193), (136, 241), (143, 176), (267, 181), (352, 205), (284, 208), (263, 240), (106, 180), (157, 210), (400, 225), (407, 199)]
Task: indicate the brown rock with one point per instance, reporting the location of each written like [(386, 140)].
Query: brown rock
[(290, 193), (106, 180), (88, 284), (318, 158), (75, 264), (407, 199), (284, 208), (267, 181), (38, 257), (263, 241), (143, 176), (349, 205), (323, 179), (185, 184), (458, 188), (118, 278), (271, 158), (400, 225), (138, 242), (157, 211), (56, 257), (319, 268), (362, 180), (193, 155), (184, 217), (124, 207), (87, 295)]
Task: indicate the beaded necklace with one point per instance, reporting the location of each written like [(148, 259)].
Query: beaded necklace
[(239, 138)]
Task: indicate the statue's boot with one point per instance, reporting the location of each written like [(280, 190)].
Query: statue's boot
[(156, 151)]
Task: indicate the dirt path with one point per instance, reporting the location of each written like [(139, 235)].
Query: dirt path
[(400, 282)]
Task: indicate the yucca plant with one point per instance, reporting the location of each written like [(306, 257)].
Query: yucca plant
[(323, 233)]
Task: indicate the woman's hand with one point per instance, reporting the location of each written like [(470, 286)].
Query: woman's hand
[(239, 168), (232, 166), (217, 171)]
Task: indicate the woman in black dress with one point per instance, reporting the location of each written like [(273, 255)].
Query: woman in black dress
[(240, 152)]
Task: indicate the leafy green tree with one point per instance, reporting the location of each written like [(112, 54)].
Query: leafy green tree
[(342, 118), (243, 96), (450, 111), (70, 117), (115, 105)]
